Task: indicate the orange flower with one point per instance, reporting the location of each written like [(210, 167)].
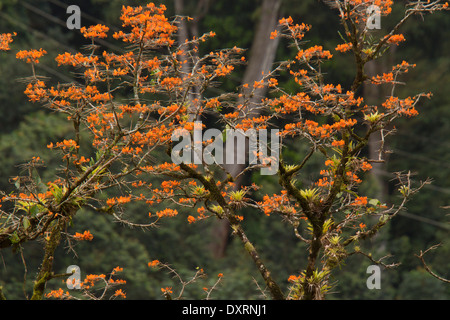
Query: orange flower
[(222, 70), (167, 213), (81, 160), (169, 186), (274, 34), (273, 82), (58, 294), (97, 31), (5, 40), (396, 39), (75, 60), (117, 269), (120, 293), (167, 290), (191, 219), (148, 24), (153, 263), (338, 143), (366, 166), (36, 91), (314, 51), (359, 201), (67, 144), (91, 279), (293, 278), (385, 78), (31, 56), (171, 82), (344, 47), (287, 21), (85, 236), (324, 182)]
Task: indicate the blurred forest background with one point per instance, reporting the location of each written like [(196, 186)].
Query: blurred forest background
[(422, 145)]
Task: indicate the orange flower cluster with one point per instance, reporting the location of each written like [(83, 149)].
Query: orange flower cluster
[(365, 166), (97, 31), (40, 197), (58, 294), (171, 83), (5, 40), (403, 106), (167, 190), (277, 202), (74, 60), (329, 175), (155, 135), (324, 182), (91, 280), (360, 201), (293, 278), (153, 263), (338, 143), (344, 47), (274, 34), (289, 104), (151, 64), (297, 31), (395, 39), (201, 216), (353, 178), (167, 290), (403, 67), (85, 236), (135, 109), (148, 25), (118, 200), (253, 123), (120, 293), (315, 51), (36, 91), (213, 103), (222, 70), (165, 167), (358, 9), (385, 78), (64, 145), (166, 213), (31, 56), (191, 219), (321, 131)]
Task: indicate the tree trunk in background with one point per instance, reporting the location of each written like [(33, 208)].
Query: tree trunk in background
[(261, 59), (375, 95), (187, 31)]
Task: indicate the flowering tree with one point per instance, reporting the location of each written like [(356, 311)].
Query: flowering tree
[(131, 108)]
